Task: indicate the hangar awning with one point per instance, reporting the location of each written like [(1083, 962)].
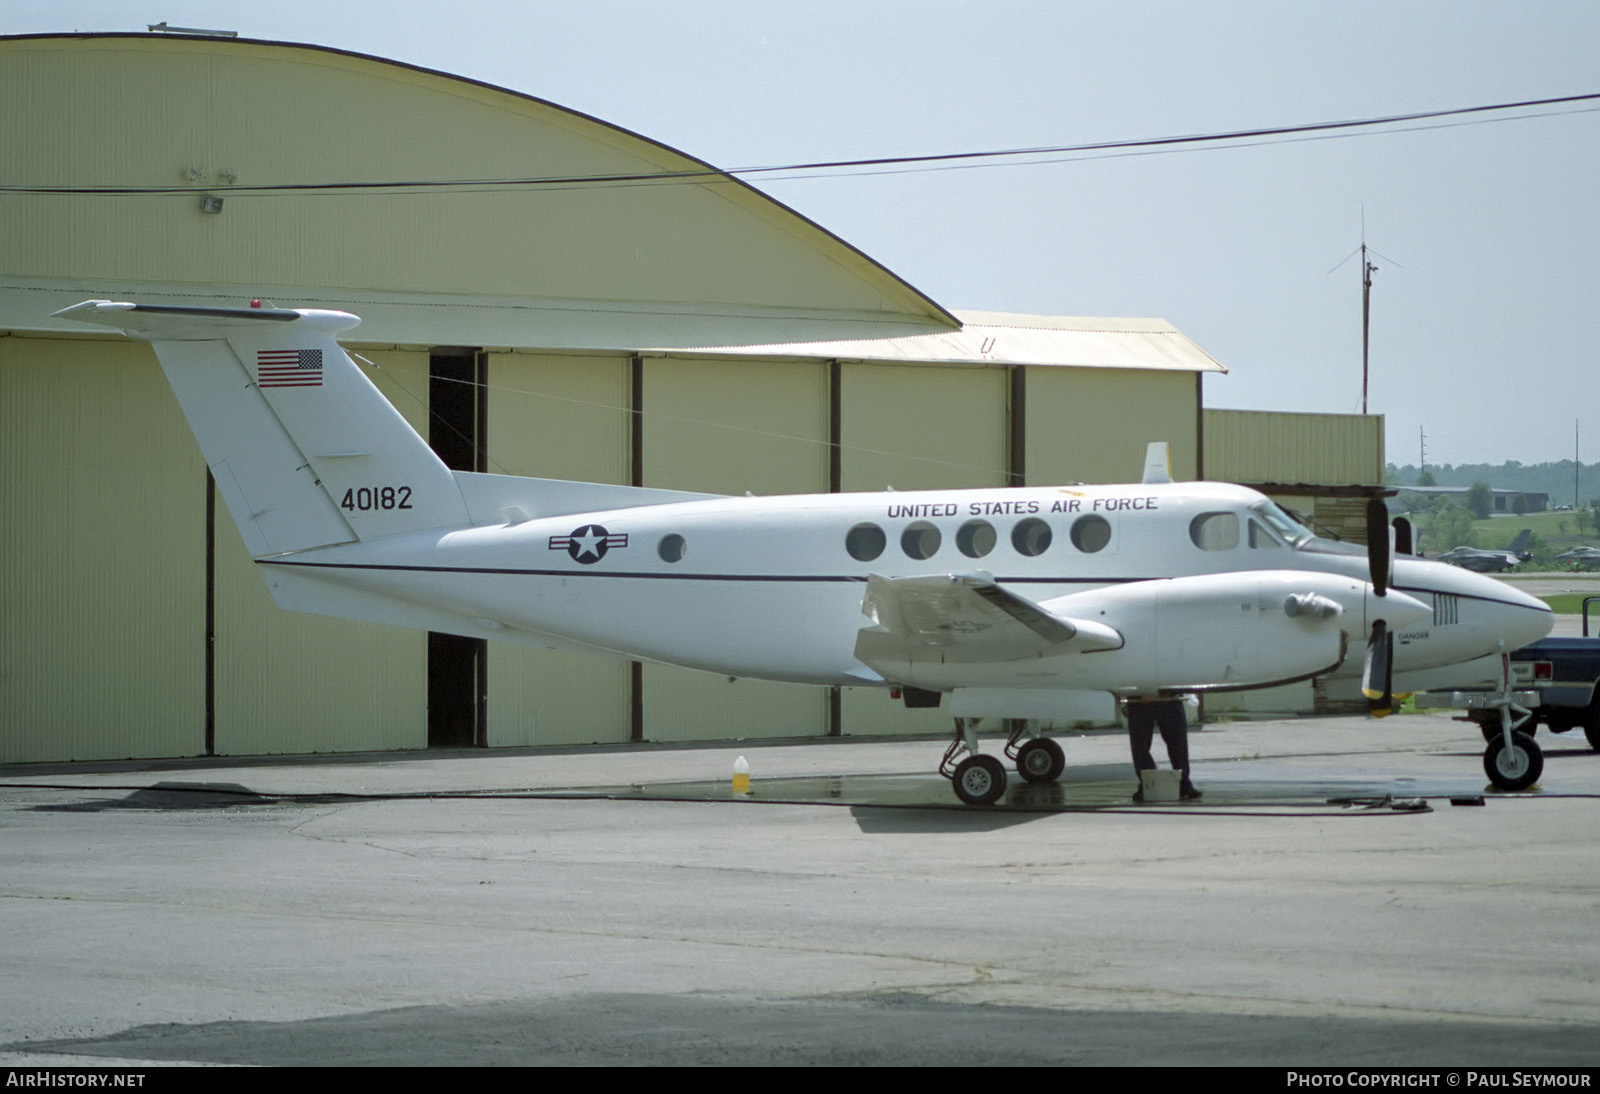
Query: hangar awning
[(1005, 338), (986, 339)]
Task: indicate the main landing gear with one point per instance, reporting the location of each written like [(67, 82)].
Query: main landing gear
[(981, 780)]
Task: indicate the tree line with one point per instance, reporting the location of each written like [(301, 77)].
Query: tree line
[(1555, 479)]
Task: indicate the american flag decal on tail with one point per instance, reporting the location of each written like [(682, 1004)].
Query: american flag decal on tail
[(289, 368)]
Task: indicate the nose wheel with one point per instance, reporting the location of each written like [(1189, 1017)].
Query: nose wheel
[(1513, 765)]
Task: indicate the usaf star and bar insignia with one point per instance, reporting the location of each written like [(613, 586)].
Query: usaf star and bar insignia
[(588, 544)]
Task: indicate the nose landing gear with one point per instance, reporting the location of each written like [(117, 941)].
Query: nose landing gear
[(1512, 761)]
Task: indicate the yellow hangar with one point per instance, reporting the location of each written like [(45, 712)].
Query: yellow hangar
[(541, 293)]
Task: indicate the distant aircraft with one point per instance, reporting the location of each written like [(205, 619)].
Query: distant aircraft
[(1010, 602), (1582, 558), (1485, 561)]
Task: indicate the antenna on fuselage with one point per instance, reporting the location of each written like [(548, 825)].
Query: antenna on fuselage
[(1157, 462)]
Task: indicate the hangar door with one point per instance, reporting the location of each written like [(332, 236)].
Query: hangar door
[(102, 561), (558, 417), (727, 427)]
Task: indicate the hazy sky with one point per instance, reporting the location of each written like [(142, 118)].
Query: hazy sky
[(1488, 235)]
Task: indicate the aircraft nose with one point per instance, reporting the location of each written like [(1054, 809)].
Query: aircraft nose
[(1508, 611)]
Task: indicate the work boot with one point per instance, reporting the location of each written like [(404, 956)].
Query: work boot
[(1138, 792), (1187, 791)]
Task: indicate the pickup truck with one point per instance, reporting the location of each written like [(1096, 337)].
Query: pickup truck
[(1562, 673), (1552, 681), (1555, 678)]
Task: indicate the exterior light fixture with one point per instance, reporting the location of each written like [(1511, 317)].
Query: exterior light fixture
[(210, 203)]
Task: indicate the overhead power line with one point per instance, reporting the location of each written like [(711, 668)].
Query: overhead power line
[(934, 161)]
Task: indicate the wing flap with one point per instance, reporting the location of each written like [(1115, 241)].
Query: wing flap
[(967, 619)]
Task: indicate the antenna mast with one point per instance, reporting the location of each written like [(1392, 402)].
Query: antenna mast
[(1366, 317)]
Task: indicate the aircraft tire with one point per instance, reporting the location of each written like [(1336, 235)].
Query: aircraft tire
[(1041, 760), (980, 780), (1516, 768)]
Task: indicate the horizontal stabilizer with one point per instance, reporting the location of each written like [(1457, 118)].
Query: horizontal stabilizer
[(307, 589), (181, 323)]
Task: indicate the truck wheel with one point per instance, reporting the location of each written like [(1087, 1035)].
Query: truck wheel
[(1591, 727)]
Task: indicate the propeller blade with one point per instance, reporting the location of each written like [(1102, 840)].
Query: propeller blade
[(1404, 537), (1377, 675), (1378, 544)]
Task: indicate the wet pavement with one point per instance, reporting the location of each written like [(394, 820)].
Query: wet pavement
[(1347, 892)]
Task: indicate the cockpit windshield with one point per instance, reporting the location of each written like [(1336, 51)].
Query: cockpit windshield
[(1292, 531)]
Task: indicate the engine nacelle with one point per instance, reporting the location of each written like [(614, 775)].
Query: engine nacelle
[(1211, 632)]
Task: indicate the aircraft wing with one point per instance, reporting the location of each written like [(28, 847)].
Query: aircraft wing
[(966, 618)]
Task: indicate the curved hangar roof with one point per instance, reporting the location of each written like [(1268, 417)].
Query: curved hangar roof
[(601, 265), (707, 264)]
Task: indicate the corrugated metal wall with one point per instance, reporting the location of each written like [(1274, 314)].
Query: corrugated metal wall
[(1092, 425), (102, 562), (1254, 446), (923, 427)]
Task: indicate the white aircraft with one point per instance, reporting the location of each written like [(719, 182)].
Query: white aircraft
[(1012, 602)]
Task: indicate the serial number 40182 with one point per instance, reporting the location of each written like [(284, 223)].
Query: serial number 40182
[(366, 498)]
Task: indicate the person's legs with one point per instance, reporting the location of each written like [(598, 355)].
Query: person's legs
[(1141, 732), (1174, 727)]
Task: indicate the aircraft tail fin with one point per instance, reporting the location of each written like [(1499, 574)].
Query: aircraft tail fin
[(304, 449), (1520, 544)]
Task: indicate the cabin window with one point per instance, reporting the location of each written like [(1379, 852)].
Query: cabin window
[(865, 542), (671, 548), (975, 538), (1031, 537), (1215, 531), (1261, 539), (920, 540), (1091, 533)]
